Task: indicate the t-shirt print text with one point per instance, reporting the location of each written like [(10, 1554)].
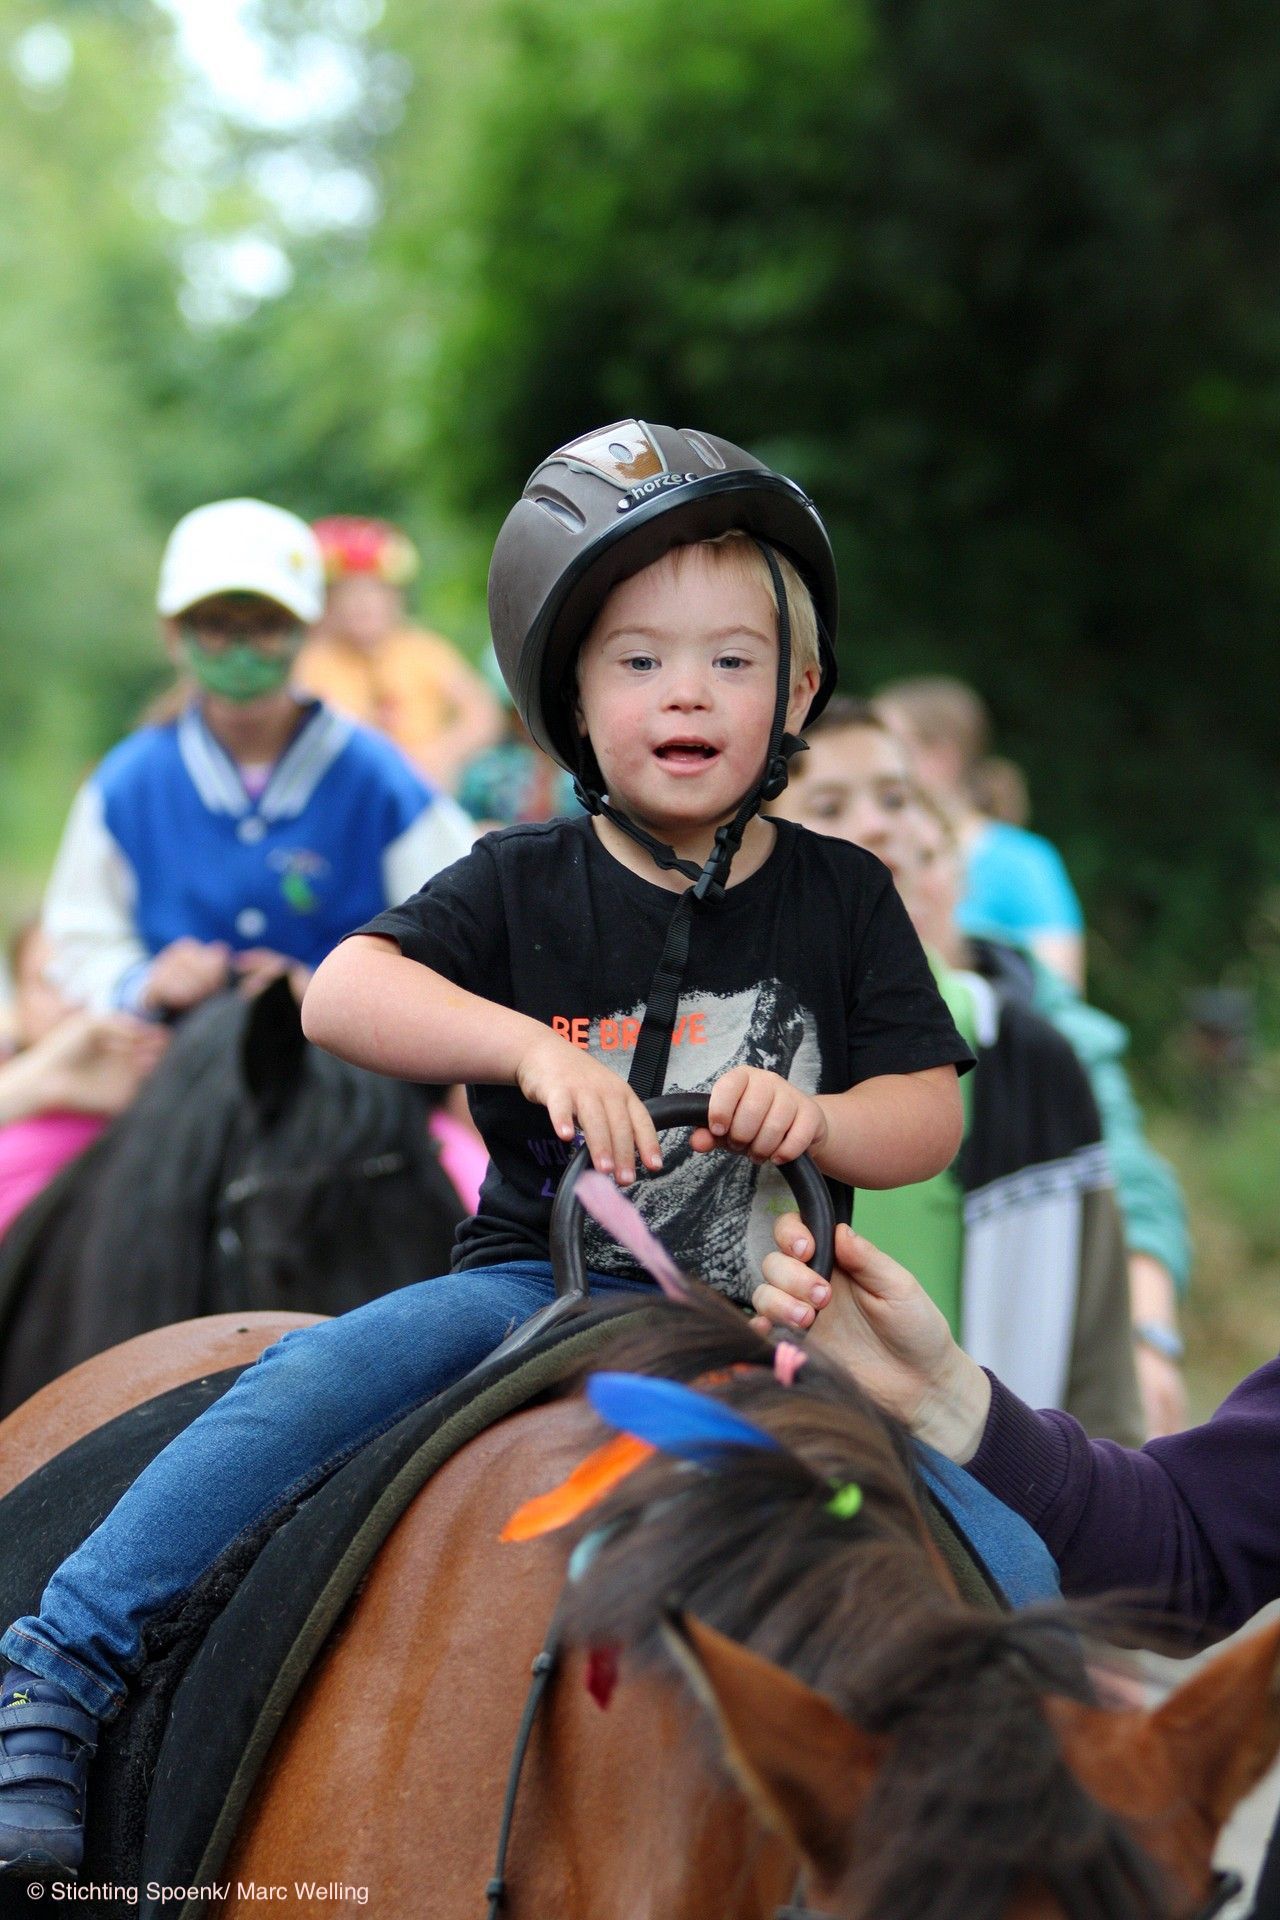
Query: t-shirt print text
[(620, 1036)]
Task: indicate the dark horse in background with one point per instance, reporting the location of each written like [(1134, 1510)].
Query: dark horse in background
[(252, 1172)]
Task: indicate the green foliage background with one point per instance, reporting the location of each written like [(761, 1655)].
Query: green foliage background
[(997, 280)]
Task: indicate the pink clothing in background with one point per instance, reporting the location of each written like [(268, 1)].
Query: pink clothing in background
[(461, 1155), (32, 1151)]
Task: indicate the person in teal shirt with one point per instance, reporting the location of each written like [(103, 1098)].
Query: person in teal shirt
[(1015, 882)]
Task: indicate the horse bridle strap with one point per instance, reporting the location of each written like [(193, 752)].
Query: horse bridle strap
[(1224, 1888), (544, 1666)]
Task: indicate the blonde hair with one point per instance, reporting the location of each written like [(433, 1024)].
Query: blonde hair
[(740, 557), (941, 710), (931, 807)]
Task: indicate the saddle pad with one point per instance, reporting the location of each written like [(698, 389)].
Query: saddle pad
[(49, 1513), (42, 1520), (175, 1767), (230, 1705)]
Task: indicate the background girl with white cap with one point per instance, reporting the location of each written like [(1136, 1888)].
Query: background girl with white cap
[(247, 835)]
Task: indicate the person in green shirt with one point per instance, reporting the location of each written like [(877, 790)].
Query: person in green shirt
[(857, 783)]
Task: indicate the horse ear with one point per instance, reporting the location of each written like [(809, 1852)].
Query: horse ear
[(803, 1766), (272, 1047), (1203, 1750), (1221, 1729)]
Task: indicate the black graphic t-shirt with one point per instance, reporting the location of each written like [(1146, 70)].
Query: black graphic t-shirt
[(809, 968)]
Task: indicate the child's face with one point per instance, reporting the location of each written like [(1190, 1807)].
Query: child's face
[(238, 646), (364, 610), (854, 784), (932, 890), (676, 687)]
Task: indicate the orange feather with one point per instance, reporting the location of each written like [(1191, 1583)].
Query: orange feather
[(585, 1487)]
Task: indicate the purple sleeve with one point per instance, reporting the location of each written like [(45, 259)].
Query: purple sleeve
[(1191, 1524)]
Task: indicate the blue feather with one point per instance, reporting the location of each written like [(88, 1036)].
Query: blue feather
[(674, 1418)]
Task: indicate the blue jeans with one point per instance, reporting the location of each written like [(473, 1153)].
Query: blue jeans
[(305, 1405)]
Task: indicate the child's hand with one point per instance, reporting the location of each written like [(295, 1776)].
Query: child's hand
[(184, 973), (256, 967), (581, 1096), (762, 1115), (96, 1062)]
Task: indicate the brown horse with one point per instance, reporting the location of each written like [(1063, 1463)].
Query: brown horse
[(97, 1390), (798, 1690)]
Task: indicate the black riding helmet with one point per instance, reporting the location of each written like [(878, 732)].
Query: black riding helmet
[(603, 508), (594, 513)]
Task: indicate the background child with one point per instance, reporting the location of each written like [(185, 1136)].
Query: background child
[(370, 661), (249, 834), (1016, 886)]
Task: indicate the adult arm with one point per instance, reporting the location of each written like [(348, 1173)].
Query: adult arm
[(1191, 1523), (89, 1063)]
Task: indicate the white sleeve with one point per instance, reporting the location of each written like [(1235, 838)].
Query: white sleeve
[(90, 912), (441, 834)]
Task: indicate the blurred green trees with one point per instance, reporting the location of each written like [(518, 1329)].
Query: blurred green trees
[(76, 543), (997, 280)]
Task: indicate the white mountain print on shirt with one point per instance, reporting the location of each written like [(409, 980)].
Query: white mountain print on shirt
[(715, 1211)]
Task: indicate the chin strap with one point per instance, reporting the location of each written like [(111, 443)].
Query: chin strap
[(649, 1062)]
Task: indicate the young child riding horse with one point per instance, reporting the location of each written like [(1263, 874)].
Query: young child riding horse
[(246, 834), (664, 610)]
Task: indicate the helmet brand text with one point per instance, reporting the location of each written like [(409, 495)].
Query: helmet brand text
[(661, 483)]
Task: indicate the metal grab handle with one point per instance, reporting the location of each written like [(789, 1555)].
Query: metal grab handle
[(568, 1263)]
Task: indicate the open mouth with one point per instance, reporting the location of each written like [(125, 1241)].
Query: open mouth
[(686, 753)]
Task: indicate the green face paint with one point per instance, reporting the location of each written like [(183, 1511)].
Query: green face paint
[(238, 672)]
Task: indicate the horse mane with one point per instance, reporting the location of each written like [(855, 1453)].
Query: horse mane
[(975, 1796)]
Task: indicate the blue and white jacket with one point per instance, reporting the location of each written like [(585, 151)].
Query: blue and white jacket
[(165, 842)]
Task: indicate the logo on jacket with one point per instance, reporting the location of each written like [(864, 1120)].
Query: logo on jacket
[(300, 873)]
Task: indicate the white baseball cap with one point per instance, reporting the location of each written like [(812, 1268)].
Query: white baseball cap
[(242, 546)]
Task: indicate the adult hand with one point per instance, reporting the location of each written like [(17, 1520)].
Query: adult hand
[(184, 973), (881, 1325), (95, 1062), (582, 1096), (762, 1115)]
